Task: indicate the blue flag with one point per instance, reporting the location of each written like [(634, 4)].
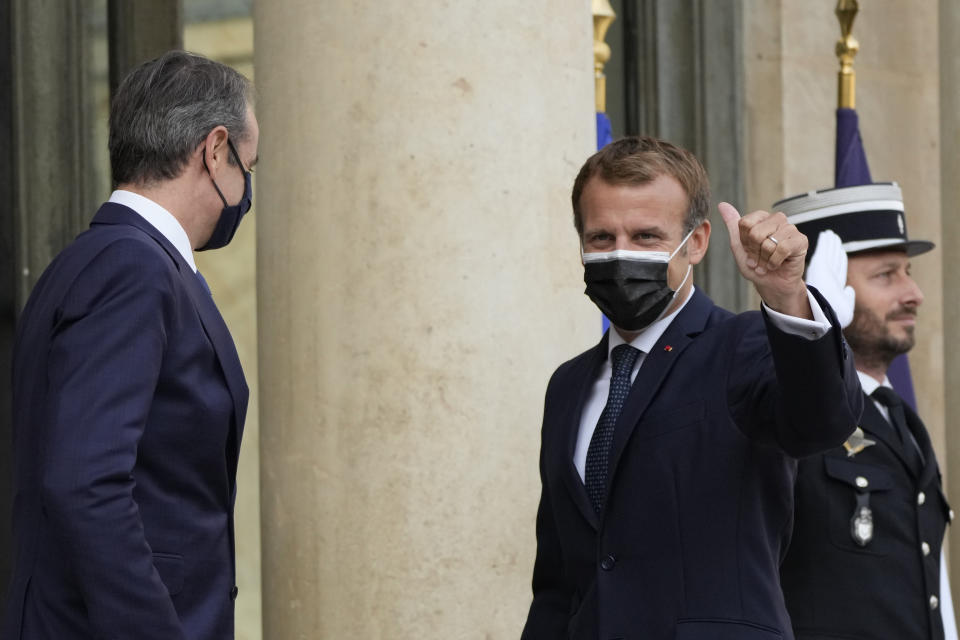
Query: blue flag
[(851, 171), (604, 137), (604, 133), (851, 168)]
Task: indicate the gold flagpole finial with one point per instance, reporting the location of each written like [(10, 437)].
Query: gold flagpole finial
[(603, 16), (847, 48)]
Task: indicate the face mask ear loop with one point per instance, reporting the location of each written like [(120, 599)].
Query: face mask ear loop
[(674, 296), (684, 281), (680, 246), (219, 193)]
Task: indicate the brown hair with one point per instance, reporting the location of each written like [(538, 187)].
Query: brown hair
[(638, 160)]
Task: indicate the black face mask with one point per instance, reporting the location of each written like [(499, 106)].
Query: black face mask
[(630, 287), (231, 215)]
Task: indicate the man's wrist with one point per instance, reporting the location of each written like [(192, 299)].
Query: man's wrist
[(801, 327), (796, 304)]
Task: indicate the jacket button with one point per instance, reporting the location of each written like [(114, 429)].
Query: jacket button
[(925, 548), (234, 592), (861, 482), (608, 563), (934, 602), (921, 497)]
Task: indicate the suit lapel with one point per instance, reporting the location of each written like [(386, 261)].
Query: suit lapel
[(219, 336), (583, 376), (926, 447), (210, 318), (656, 365)]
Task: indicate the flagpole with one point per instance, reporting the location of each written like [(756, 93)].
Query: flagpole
[(603, 16), (847, 48)]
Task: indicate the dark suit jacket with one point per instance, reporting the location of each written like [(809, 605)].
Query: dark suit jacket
[(700, 490), (129, 403), (836, 588)]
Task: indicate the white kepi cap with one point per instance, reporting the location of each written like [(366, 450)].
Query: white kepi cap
[(866, 217)]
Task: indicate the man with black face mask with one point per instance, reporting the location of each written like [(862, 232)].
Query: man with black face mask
[(669, 449), (128, 396)]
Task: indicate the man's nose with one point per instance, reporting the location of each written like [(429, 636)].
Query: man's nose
[(912, 294)]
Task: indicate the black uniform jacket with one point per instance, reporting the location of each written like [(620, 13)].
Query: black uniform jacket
[(885, 588)]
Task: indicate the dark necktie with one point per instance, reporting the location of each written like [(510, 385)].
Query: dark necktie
[(889, 398), (598, 453)]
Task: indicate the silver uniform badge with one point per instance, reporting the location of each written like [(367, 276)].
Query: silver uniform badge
[(861, 525)]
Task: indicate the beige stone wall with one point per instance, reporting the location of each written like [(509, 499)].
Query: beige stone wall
[(791, 78), (418, 281), (231, 273), (949, 31)]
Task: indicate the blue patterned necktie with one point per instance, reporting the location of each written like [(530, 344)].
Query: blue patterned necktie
[(598, 453)]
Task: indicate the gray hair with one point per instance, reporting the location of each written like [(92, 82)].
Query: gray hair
[(165, 108)]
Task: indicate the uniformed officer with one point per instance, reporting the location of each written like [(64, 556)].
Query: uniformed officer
[(865, 561)]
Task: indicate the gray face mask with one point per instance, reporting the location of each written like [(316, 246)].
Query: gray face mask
[(630, 287)]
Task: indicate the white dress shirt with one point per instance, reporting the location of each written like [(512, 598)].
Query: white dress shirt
[(810, 329), (160, 219)]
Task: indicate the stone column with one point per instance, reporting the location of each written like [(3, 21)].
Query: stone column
[(949, 244), (418, 281)]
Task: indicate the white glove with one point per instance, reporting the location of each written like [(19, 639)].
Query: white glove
[(827, 272)]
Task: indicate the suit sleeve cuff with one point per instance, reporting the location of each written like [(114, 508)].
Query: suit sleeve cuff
[(801, 327)]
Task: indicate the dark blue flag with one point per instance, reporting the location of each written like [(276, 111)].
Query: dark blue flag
[(604, 133), (851, 171), (851, 168), (604, 137)]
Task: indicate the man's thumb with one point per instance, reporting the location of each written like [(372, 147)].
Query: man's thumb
[(731, 218), (729, 213)]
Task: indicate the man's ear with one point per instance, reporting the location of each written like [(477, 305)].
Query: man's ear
[(215, 149), (698, 242)]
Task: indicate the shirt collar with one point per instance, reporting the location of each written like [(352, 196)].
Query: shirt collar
[(649, 336), (160, 219), (869, 384)]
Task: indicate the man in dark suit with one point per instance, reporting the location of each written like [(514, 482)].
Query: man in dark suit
[(128, 395), (667, 456), (865, 561)]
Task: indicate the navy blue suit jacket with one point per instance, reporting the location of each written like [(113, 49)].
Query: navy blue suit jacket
[(699, 501), (129, 402)]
